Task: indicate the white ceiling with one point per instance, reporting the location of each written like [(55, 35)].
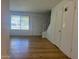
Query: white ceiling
[(32, 5)]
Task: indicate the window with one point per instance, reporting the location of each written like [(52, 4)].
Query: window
[(19, 22)]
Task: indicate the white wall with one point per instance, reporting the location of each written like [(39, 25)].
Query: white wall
[(51, 28), (66, 37), (75, 34), (50, 31), (37, 20), (4, 29)]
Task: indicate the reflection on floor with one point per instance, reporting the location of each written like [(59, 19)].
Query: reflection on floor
[(34, 48)]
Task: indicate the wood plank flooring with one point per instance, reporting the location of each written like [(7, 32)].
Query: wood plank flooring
[(34, 48)]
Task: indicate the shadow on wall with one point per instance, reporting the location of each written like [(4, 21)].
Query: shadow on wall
[(46, 25)]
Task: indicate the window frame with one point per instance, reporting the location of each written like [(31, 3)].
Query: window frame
[(20, 23)]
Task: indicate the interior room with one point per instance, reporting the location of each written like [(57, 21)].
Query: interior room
[(39, 29)]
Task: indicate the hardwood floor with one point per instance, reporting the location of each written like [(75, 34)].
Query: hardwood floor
[(34, 48)]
